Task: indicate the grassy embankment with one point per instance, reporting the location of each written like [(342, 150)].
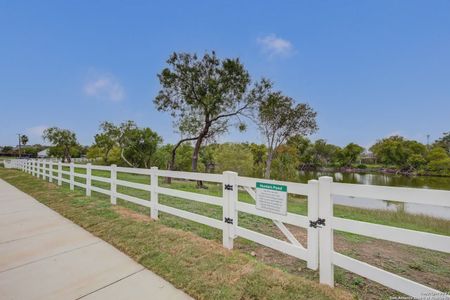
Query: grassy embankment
[(428, 267)]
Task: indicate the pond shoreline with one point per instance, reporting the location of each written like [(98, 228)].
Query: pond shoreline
[(389, 171)]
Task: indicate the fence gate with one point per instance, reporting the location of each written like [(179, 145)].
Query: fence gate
[(293, 247)]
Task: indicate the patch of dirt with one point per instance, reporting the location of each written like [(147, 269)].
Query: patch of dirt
[(128, 213)]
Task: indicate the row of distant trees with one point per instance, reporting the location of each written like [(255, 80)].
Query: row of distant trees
[(206, 96), (127, 144)]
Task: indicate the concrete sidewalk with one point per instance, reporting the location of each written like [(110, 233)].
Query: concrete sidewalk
[(45, 256)]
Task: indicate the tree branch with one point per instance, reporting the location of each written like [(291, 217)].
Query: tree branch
[(230, 114)]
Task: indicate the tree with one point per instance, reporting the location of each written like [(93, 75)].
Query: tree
[(104, 142), (137, 145), (279, 119), (23, 139), (302, 146), (444, 142), (233, 157), (204, 96), (285, 164), (259, 152), (140, 146), (61, 139), (415, 161), (207, 157), (7, 149), (349, 154), (439, 161), (319, 154), (396, 150)]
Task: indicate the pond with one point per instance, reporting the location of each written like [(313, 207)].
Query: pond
[(426, 182)]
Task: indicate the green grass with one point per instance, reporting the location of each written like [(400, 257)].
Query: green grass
[(296, 204), (353, 245), (202, 268)]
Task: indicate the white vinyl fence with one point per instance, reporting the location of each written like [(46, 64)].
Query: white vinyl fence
[(320, 223)]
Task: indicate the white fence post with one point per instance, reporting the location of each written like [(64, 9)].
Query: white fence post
[(113, 184), (154, 193), (59, 173), (313, 233), (48, 170), (326, 268), (230, 215), (50, 175), (39, 171), (72, 176), (44, 169), (88, 179)]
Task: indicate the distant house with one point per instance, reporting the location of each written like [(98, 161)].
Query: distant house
[(43, 154)]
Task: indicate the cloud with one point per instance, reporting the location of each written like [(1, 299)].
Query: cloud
[(104, 86), (275, 46), (35, 133)]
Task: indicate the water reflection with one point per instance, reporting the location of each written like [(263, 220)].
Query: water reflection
[(426, 182)]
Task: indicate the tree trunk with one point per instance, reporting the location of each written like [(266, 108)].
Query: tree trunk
[(67, 155), (171, 166), (268, 164), (124, 159), (198, 144), (105, 157), (172, 161)]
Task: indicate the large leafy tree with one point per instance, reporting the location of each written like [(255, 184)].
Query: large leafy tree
[(137, 146), (349, 154), (204, 96), (63, 140), (279, 119), (396, 150), (140, 146)]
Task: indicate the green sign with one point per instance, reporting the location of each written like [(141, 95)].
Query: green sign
[(270, 186), (271, 198)]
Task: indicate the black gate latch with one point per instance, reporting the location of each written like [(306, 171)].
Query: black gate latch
[(228, 187), (229, 220), (316, 224)]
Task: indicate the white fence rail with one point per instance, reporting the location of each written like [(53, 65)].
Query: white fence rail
[(320, 223)]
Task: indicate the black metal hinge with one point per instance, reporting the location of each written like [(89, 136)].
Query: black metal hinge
[(229, 220), (228, 187), (316, 224)]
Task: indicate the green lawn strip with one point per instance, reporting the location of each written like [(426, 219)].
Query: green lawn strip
[(202, 268), (296, 204)]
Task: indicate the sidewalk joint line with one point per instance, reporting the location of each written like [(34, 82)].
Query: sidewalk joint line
[(109, 284), (50, 256), (37, 234)]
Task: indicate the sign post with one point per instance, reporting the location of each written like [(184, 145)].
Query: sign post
[(271, 198)]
